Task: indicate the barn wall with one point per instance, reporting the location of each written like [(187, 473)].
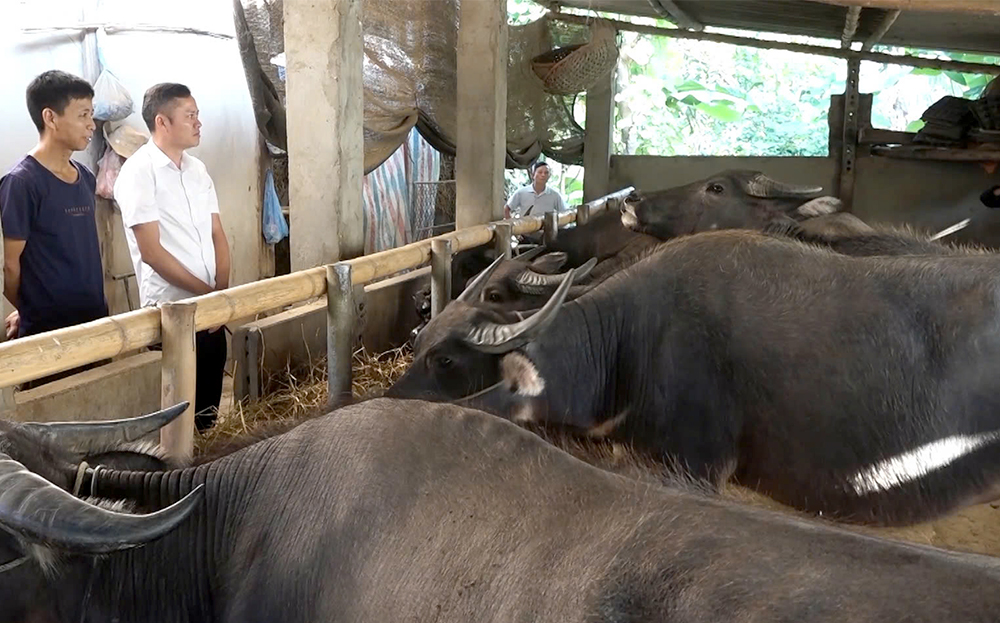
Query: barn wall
[(931, 195)]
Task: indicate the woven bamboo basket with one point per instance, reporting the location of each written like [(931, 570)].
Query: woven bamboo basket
[(575, 68)]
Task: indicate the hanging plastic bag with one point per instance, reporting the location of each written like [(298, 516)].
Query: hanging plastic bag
[(275, 227), (112, 101), (108, 168)]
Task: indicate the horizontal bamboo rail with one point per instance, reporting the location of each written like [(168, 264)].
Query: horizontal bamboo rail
[(36, 356)]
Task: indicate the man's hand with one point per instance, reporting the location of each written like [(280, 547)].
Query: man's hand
[(12, 323), (506, 211)]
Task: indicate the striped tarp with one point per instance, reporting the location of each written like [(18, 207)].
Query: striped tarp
[(395, 214)]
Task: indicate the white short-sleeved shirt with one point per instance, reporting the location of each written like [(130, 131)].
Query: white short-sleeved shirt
[(150, 188), (525, 198)]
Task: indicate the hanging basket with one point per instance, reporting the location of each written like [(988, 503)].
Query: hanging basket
[(576, 68)]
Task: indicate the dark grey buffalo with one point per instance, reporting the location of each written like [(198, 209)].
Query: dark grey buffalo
[(603, 237), (732, 199), (403, 511), (862, 388)]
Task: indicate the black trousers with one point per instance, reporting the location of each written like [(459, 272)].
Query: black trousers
[(211, 352)]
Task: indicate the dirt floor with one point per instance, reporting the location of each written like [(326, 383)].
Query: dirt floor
[(974, 529)]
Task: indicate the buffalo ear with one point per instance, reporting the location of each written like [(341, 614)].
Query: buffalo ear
[(550, 263)]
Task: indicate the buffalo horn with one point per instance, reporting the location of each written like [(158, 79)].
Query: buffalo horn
[(475, 287), (531, 282), (41, 512), (74, 433), (763, 186), (531, 254), (490, 337)]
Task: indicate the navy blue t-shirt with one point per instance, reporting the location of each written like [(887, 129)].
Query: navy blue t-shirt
[(62, 282)]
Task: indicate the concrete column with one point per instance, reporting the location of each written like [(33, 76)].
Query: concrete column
[(324, 101), (482, 112), (598, 140)]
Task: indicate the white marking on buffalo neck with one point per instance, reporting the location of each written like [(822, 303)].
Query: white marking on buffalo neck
[(521, 375), (916, 463)]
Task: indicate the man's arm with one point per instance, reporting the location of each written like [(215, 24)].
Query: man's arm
[(12, 268), (222, 260), (147, 237)]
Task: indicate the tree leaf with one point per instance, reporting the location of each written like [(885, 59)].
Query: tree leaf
[(722, 112)]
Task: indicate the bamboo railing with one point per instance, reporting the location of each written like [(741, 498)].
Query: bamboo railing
[(37, 356)]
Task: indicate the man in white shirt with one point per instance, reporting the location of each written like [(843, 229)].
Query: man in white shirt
[(172, 225), (536, 198)]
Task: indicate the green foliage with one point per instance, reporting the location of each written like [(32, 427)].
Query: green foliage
[(684, 97)]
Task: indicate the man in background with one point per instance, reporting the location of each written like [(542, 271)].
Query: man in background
[(171, 215), (536, 198)]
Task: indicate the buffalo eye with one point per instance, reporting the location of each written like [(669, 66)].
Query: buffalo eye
[(493, 296), (716, 188), (443, 362)]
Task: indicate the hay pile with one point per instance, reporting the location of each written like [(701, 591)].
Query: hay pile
[(300, 397)]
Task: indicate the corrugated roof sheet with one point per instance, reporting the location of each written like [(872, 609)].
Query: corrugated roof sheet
[(969, 32)]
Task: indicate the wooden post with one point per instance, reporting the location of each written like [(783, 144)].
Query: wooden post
[(502, 234), (550, 228), (178, 376), (324, 48), (340, 321), (598, 139), (440, 275), (582, 213), (849, 141), (482, 112)]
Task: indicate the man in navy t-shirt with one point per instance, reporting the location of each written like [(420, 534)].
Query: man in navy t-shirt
[(52, 258)]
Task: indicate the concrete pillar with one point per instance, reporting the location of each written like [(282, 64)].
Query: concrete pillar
[(482, 112), (324, 100), (597, 143)]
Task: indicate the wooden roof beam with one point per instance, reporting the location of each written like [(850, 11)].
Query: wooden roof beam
[(941, 6), (850, 26), (668, 9), (819, 50), (883, 27)]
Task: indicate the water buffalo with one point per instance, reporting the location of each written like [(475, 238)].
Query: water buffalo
[(862, 388), (395, 510), (603, 237), (732, 199)]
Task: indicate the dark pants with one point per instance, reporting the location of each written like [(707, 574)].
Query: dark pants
[(210, 361), (211, 355)]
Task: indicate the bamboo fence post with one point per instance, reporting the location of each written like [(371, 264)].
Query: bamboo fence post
[(502, 234), (550, 228), (178, 376), (339, 331), (440, 275)]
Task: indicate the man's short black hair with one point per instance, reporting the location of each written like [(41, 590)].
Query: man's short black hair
[(54, 89), (159, 99), (538, 165)]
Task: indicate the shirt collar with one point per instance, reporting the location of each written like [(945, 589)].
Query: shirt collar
[(161, 159)]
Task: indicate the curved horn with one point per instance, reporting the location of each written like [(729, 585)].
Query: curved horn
[(490, 337), (527, 256), (41, 512), (72, 433), (475, 287), (765, 187), (530, 282)]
